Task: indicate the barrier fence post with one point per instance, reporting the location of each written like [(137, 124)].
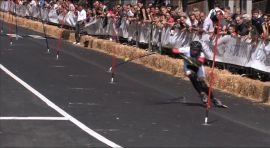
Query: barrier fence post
[(2, 27), (150, 48), (16, 21), (10, 19), (137, 35), (159, 41), (60, 38), (44, 31)]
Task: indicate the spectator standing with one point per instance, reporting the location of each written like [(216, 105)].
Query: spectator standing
[(214, 14), (257, 21), (265, 26), (201, 19), (184, 22), (232, 30), (194, 21), (241, 28), (81, 17)]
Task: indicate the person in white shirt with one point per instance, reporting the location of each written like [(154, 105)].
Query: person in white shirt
[(214, 14), (81, 17)]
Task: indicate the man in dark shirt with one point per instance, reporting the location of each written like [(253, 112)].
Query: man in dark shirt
[(241, 28), (257, 21)]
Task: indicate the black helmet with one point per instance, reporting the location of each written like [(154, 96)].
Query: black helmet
[(195, 48), (195, 45)]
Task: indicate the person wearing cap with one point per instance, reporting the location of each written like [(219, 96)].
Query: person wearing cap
[(194, 59)]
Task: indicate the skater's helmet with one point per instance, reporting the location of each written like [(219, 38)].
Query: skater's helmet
[(195, 48)]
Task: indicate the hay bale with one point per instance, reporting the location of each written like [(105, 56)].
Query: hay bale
[(86, 40), (266, 92), (71, 37), (22, 22), (66, 34), (112, 47), (238, 85), (53, 31), (95, 44), (32, 25), (40, 27)]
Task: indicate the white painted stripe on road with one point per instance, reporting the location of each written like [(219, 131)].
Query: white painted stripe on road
[(14, 35), (33, 118), (36, 37), (59, 110)]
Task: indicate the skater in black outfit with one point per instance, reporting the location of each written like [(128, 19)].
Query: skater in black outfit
[(194, 59)]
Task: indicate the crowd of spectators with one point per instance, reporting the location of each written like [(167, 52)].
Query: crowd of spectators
[(232, 23)]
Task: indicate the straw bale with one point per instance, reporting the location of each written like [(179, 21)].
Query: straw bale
[(83, 38), (86, 40), (239, 85), (266, 94), (94, 44), (105, 46), (71, 37), (53, 31), (66, 34), (109, 46), (33, 25), (40, 27), (22, 22)]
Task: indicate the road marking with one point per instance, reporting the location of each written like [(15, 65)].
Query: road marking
[(57, 66), (81, 103), (36, 37), (78, 75), (14, 35), (80, 88), (59, 110), (33, 118)]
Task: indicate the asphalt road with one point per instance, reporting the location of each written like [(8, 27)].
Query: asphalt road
[(144, 108)]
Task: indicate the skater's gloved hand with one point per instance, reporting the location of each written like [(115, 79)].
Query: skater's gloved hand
[(176, 51), (194, 61)]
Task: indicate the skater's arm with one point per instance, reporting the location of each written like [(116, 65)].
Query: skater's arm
[(197, 62)]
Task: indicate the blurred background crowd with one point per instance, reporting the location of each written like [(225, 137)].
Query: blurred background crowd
[(249, 26)]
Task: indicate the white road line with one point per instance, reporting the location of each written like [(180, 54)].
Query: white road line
[(33, 118), (59, 110)]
